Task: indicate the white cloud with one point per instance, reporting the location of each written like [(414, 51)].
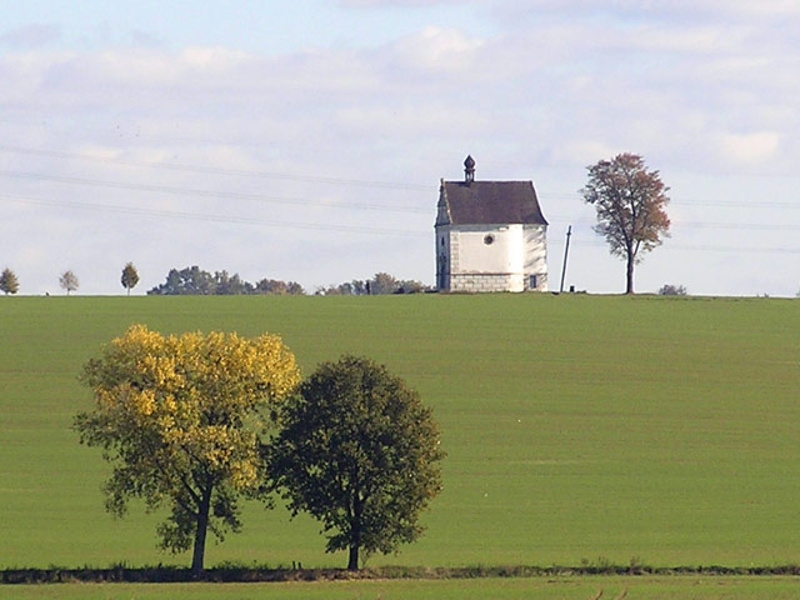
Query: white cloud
[(438, 51), (681, 10), (585, 152), (753, 148)]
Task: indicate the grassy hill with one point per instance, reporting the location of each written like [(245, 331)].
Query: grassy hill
[(579, 428)]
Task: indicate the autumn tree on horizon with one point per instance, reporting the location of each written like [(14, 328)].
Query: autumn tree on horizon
[(130, 277), (68, 281), (9, 284), (630, 203)]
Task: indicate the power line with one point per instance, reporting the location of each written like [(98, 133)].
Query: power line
[(163, 189), (313, 203), (349, 182), (700, 224), (213, 218), (352, 181), (700, 248), (596, 243), (217, 170)]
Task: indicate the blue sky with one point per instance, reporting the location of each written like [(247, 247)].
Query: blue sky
[(305, 140), (263, 27)]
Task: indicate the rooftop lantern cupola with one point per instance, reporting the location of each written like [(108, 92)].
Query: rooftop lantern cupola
[(469, 170)]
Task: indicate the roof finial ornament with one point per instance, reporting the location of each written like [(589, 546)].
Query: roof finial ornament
[(469, 169)]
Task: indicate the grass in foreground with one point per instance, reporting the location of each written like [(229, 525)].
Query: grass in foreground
[(665, 431), (566, 588)]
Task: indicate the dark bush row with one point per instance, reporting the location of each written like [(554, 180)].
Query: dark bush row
[(243, 574)]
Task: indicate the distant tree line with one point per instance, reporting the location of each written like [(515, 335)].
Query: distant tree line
[(669, 289), (381, 284), (194, 281)]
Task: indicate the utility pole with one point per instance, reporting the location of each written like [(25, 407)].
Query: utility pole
[(566, 254)]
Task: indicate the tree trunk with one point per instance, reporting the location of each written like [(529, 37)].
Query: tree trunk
[(629, 274), (355, 533), (200, 535), (352, 563)]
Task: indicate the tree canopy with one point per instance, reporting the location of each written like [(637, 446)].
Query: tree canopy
[(630, 203), (9, 284), (179, 417), (68, 282), (669, 289), (358, 451), (130, 277), (196, 281)]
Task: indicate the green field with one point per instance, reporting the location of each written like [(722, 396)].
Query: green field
[(581, 588), (579, 429)]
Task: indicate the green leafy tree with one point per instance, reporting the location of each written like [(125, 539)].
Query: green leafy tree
[(188, 281), (9, 282), (226, 284), (358, 451), (410, 286), (672, 290), (130, 277), (179, 418), (630, 203), (383, 283), (68, 282), (278, 288)]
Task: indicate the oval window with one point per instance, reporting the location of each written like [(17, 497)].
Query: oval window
[(488, 239)]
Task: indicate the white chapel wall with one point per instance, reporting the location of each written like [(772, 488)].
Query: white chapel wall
[(488, 249), (487, 258), (535, 237)]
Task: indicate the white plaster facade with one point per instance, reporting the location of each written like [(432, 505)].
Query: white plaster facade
[(498, 258)]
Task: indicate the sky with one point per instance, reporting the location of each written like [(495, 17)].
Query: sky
[(306, 140)]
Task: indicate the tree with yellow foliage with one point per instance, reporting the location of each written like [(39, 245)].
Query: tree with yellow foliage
[(179, 418)]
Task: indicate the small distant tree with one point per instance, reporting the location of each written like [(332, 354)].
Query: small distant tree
[(671, 290), (178, 417), (68, 281), (295, 289), (226, 284), (383, 283), (9, 282), (130, 277), (359, 452), (356, 287), (630, 203), (186, 282), (410, 286), (278, 288)]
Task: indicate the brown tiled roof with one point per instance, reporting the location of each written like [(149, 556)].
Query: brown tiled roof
[(490, 203)]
